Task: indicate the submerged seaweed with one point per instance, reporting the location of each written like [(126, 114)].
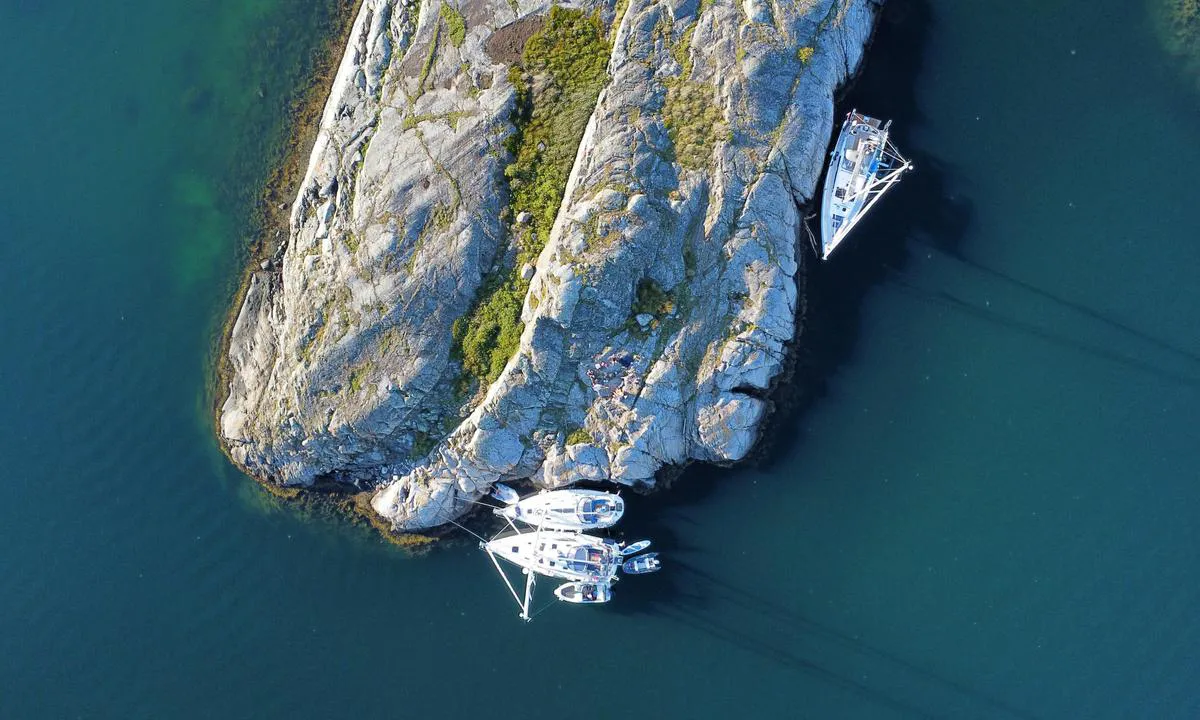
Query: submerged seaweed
[(1177, 23)]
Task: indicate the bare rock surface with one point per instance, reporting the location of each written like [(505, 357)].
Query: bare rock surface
[(658, 313)]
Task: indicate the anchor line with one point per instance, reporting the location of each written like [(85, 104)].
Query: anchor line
[(543, 608), (812, 238), (476, 535), (486, 505)]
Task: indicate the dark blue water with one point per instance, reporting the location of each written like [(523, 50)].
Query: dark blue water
[(982, 504)]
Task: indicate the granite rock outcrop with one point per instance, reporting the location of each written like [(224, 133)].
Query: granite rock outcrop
[(658, 313)]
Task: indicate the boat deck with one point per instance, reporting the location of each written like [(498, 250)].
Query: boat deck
[(857, 159)]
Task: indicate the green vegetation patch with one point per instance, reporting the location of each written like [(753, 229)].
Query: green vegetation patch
[(451, 117), (651, 299), (692, 120), (430, 59), (579, 436), (456, 27), (390, 340), (563, 69), (570, 56), (422, 443), (313, 342), (487, 336), (358, 375)]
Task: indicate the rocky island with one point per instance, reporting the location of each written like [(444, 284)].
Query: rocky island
[(555, 242)]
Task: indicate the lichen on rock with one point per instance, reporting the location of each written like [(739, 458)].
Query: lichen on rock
[(638, 211)]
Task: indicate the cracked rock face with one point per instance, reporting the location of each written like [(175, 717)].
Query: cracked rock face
[(658, 313)]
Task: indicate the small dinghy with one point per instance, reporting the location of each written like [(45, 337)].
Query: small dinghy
[(505, 494), (569, 509), (584, 593), (635, 548), (642, 564)]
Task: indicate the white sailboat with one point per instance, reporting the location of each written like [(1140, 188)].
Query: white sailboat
[(589, 564), (863, 166), (581, 559), (558, 547), (567, 509), (557, 554)]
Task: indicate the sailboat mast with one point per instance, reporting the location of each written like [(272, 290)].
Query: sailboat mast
[(504, 577), (530, 579), (874, 193)]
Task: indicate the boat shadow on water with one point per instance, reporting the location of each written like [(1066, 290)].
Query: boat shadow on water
[(927, 217), (921, 208), (924, 216), (703, 602)]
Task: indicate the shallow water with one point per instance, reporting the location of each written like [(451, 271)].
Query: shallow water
[(982, 506)]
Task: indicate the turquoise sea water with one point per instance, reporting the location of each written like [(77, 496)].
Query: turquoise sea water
[(983, 504)]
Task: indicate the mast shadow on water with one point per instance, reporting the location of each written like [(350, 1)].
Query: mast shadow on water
[(921, 207), (703, 602)]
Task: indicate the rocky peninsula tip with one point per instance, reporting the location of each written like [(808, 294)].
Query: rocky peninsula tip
[(560, 244)]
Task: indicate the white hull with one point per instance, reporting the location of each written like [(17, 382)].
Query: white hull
[(558, 547), (584, 593), (863, 166), (642, 564), (564, 555), (569, 509)]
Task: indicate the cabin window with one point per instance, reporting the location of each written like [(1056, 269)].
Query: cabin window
[(840, 193)]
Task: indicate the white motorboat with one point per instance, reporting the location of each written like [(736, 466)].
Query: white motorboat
[(863, 166), (584, 593), (567, 509), (642, 564)]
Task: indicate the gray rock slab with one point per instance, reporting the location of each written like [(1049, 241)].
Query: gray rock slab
[(341, 356)]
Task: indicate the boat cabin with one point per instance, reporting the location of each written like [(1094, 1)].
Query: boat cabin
[(863, 166)]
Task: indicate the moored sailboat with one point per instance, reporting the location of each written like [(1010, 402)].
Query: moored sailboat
[(583, 560), (557, 546), (565, 509), (863, 166)]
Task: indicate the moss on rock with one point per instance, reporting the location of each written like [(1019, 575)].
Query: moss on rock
[(562, 71), (456, 27), (578, 436), (692, 120)]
